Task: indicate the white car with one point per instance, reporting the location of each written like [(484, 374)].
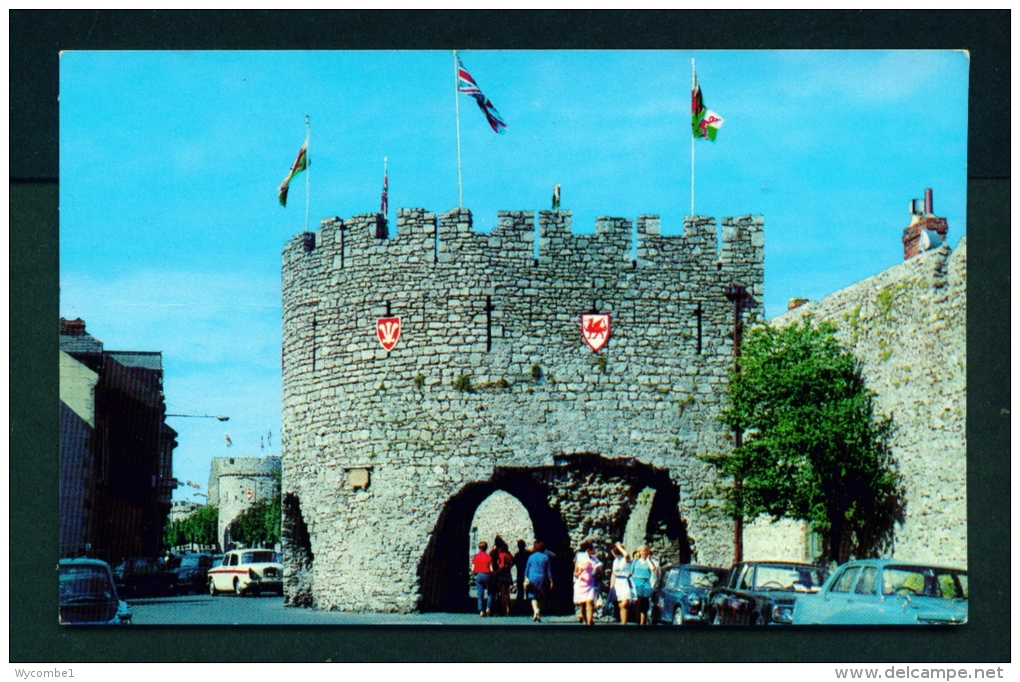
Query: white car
[(247, 571)]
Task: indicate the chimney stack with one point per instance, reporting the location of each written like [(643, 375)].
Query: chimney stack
[(72, 327), (926, 230)]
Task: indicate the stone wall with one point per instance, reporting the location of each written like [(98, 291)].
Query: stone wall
[(907, 328), (502, 514), (782, 540), (467, 390)]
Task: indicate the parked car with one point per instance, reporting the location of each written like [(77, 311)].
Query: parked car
[(88, 595), (247, 571), (144, 577), (192, 572), (884, 592), (681, 595), (763, 592)]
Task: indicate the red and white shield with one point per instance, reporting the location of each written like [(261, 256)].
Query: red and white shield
[(388, 331), (595, 329), (249, 492)]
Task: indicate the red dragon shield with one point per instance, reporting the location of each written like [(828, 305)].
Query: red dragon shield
[(595, 329)]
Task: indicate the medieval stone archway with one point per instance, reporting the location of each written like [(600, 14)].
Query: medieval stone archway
[(444, 571), (583, 496)]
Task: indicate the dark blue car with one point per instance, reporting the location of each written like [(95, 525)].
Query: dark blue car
[(680, 596)]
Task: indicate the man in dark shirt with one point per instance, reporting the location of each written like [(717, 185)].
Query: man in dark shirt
[(520, 561), (481, 565)]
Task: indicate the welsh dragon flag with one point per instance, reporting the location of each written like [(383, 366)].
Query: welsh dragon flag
[(300, 164), (705, 123)]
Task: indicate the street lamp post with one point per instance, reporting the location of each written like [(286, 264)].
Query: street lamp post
[(736, 292), (220, 417)]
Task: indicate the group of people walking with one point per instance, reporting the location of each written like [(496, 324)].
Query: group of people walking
[(632, 580), (493, 577)]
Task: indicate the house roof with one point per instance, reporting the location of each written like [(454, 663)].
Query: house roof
[(80, 343), (141, 359)]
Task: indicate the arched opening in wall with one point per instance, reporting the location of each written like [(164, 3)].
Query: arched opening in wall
[(499, 515), (636, 532), (297, 554), (444, 569), (665, 532), (654, 519)]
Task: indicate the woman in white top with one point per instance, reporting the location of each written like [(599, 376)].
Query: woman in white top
[(621, 582)]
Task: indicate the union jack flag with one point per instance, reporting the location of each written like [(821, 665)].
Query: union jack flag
[(467, 85), (385, 207)]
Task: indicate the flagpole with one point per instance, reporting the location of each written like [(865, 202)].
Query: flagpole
[(308, 170), (456, 99), (693, 85)]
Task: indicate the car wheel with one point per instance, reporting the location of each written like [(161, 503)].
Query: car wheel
[(757, 619), (678, 616), (237, 588), (717, 618), (255, 590), (212, 588)]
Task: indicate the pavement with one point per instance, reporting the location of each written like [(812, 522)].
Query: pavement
[(269, 610)]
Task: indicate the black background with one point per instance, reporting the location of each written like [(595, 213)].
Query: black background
[(37, 37)]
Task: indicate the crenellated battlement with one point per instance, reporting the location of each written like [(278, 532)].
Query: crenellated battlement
[(424, 238)]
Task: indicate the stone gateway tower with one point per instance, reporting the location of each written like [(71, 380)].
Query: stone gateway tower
[(491, 387)]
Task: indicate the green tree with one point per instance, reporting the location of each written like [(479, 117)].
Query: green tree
[(173, 535), (202, 527), (259, 524), (813, 447)]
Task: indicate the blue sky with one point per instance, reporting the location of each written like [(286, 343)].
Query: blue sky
[(171, 232)]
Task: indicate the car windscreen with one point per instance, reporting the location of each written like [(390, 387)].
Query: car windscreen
[(918, 581), (908, 580), (78, 582), (190, 560), (789, 578), (258, 558), (700, 578)]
